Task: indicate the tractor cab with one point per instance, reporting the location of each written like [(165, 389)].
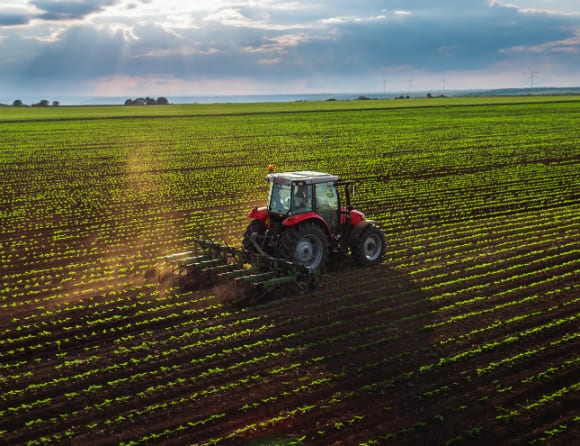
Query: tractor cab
[(304, 192)]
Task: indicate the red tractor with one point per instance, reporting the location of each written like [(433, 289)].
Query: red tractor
[(289, 240), (307, 217)]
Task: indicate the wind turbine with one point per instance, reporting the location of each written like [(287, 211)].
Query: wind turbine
[(532, 77)]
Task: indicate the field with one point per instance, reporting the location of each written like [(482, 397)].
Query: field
[(467, 333)]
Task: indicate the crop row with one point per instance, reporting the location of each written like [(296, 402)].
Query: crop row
[(465, 332)]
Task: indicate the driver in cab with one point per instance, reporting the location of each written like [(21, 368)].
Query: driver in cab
[(302, 199)]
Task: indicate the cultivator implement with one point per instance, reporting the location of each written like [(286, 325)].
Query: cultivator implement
[(254, 276)]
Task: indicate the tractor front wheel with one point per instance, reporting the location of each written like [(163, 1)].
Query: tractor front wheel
[(305, 243), (369, 248)]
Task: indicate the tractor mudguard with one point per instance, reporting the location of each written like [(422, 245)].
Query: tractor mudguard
[(296, 219), (259, 213), (352, 216), (356, 217)]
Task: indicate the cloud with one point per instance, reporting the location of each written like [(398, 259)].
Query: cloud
[(230, 17), (570, 45), (51, 10), (15, 15), (322, 44), (279, 44), (69, 9), (555, 7)]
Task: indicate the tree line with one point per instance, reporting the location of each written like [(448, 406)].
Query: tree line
[(42, 103), (137, 101), (147, 101)]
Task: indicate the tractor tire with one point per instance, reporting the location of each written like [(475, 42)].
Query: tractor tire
[(256, 226), (369, 247), (305, 243)]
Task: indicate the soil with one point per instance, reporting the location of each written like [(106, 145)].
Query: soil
[(353, 362)]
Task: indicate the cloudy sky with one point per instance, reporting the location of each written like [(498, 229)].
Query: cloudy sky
[(206, 47)]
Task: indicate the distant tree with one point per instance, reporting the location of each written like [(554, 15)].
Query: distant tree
[(43, 103), (147, 101), (17, 103), (429, 95), (55, 103)]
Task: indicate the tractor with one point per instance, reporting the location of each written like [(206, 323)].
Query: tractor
[(307, 217)]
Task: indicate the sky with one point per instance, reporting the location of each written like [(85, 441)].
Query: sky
[(168, 48)]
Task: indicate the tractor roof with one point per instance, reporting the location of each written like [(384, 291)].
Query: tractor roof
[(303, 176)]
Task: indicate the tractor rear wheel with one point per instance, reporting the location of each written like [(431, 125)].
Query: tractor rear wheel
[(305, 243), (369, 248), (255, 226)]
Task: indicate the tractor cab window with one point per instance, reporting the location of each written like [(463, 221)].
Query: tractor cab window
[(302, 198), (327, 203), (279, 200)]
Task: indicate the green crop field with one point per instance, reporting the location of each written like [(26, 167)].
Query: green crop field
[(466, 333)]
